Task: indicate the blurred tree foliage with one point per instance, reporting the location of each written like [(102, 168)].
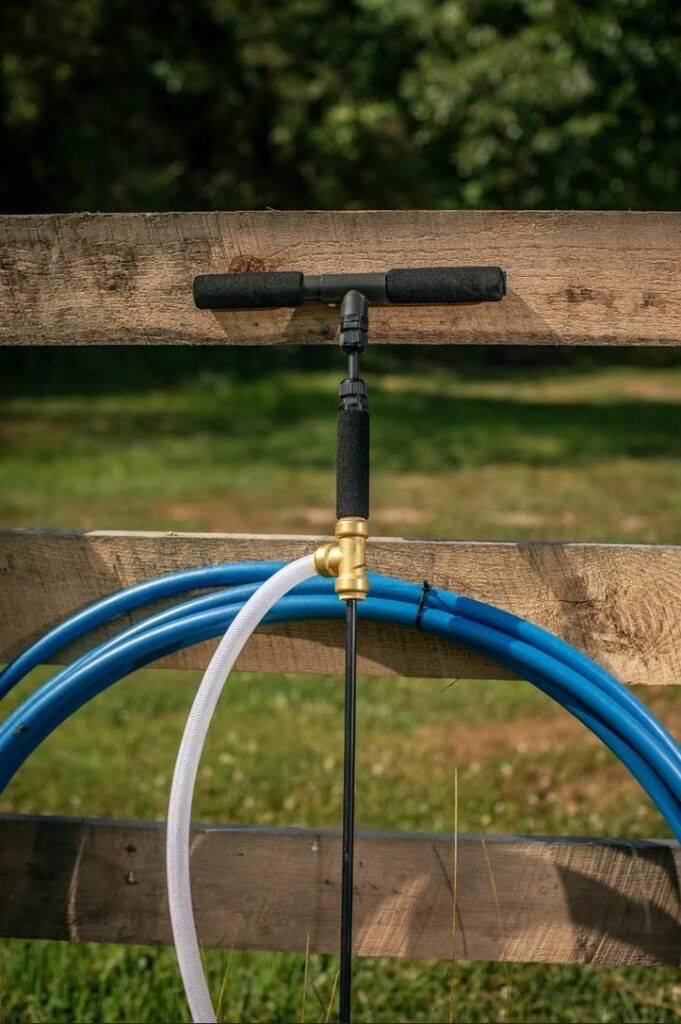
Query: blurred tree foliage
[(122, 105)]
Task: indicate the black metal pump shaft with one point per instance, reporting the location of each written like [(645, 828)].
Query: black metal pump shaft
[(348, 836), (352, 501)]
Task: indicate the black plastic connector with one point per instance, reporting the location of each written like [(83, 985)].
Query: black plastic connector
[(354, 323)]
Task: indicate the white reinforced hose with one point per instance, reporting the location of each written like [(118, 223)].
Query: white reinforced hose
[(184, 778)]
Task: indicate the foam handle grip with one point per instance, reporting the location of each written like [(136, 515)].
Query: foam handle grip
[(446, 285), (352, 463), (248, 291)]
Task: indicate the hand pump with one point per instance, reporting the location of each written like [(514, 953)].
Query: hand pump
[(345, 560)]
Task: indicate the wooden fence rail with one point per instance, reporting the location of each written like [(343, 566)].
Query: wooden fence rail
[(543, 899), (574, 278), (620, 603)]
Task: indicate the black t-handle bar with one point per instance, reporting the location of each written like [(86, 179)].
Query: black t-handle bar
[(438, 285)]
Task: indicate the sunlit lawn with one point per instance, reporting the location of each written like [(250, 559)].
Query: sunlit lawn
[(532, 453)]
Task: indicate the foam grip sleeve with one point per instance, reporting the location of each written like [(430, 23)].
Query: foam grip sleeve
[(248, 291), (446, 285), (352, 464)]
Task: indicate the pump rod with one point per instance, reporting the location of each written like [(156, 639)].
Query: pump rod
[(348, 840), (352, 499)]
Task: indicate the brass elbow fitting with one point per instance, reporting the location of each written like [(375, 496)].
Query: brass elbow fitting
[(346, 559)]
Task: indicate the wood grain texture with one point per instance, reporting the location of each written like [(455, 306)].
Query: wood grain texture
[(620, 603), (549, 900), (574, 278)]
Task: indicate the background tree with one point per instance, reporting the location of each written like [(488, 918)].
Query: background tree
[(115, 105)]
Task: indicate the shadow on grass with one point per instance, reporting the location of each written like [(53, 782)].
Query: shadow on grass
[(269, 420), (101, 370)]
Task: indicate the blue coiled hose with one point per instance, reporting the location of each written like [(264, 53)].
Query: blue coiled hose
[(593, 696)]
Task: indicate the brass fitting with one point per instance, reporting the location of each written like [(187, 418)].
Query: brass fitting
[(346, 559)]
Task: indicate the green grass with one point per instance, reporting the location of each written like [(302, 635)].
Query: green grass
[(274, 755), (543, 456), (530, 453)]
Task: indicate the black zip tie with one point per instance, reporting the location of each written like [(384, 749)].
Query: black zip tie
[(422, 602)]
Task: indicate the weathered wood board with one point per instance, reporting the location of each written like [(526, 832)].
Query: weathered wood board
[(621, 603), (518, 898), (575, 278)]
